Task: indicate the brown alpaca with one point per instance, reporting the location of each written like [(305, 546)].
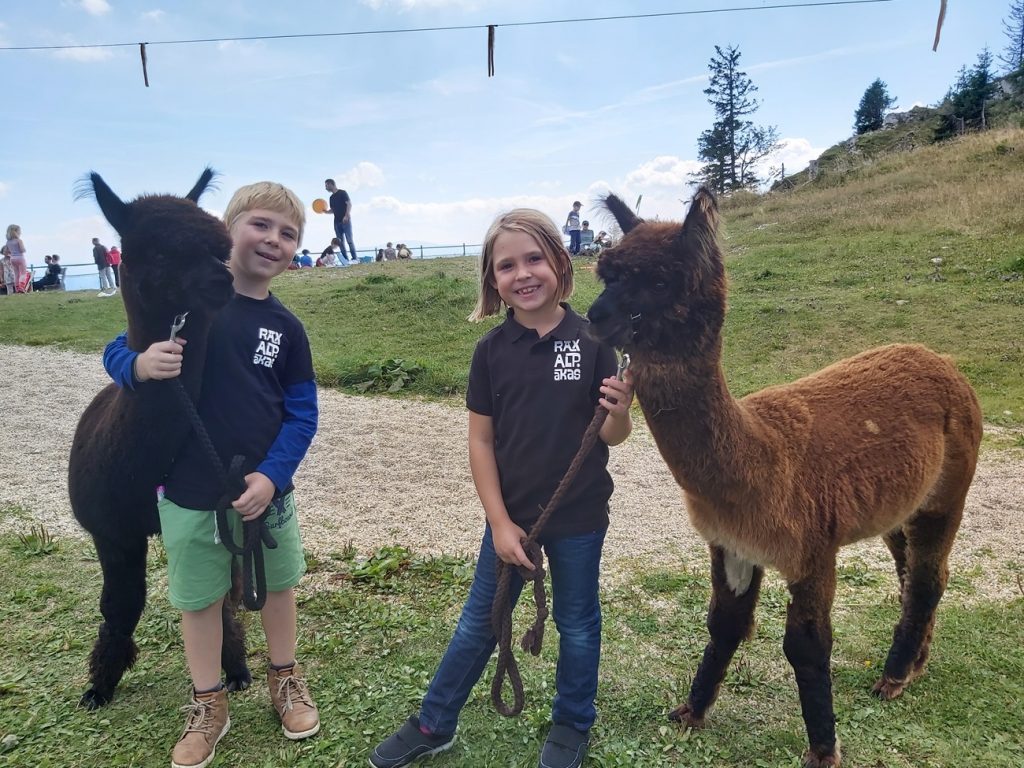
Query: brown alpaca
[(880, 444), (173, 260)]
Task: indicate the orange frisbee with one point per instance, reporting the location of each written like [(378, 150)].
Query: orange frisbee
[(319, 205)]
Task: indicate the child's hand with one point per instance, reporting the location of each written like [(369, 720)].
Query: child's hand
[(258, 494), (162, 360), (508, 545), (620, 391)]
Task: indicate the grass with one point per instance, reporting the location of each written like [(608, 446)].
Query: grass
[(816, 274), (373, 632)]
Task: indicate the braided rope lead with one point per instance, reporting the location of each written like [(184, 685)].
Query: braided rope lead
[(501, 609), (254, 532)]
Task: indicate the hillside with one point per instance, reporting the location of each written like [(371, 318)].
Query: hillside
[(817, 272)]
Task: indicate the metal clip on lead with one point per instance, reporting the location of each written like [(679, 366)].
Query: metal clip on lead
[(178, 324)]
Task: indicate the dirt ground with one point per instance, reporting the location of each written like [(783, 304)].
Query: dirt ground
[(386, 471)]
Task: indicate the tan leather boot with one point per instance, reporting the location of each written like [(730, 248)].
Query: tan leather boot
[(290, 694), (206, 723)]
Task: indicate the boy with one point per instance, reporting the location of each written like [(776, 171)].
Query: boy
[(572, 227), (257, 400)]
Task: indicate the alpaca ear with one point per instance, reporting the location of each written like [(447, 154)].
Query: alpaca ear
[(114, 209), (623, 214), (200, 186), (700, 228)]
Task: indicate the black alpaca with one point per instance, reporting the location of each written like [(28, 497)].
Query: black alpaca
[(174, 258)]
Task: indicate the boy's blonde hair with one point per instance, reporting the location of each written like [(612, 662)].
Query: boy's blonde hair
[(13, 231), (270, 196), (542, 229)]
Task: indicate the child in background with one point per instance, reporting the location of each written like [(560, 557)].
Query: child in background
[(258, 400), (536, 375), (16, 251), (572, 227), (114, 260)]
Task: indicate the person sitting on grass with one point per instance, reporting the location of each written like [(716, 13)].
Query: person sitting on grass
[(262, 357), (536, 375)]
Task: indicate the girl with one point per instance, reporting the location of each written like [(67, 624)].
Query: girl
[(16, 248), (533, 385)]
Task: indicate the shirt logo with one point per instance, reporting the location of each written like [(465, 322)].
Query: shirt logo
[(268, 348), (567, 360)]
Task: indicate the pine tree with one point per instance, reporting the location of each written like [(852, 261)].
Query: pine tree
[(964, 107), (1013, 26), (875, 102), (732, 146)]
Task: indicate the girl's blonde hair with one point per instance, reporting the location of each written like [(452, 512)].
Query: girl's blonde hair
[(13, 231), (270, 196), (542, 229)]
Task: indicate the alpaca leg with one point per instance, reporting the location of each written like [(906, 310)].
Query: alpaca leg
[(896, 541), (121, 603), (730, 622), (237, 676), (929, 540), (808, 647)]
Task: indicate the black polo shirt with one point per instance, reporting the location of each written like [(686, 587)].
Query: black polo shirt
[(540, 394)]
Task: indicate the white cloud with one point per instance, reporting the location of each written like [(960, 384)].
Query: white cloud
[(363, 175), (795, 153), (83, 54), (154, 15), (94, 7), (665, 171)]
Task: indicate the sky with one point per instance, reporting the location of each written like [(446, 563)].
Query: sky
[(428, 146)]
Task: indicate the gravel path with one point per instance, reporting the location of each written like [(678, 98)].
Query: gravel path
[(396, 471)]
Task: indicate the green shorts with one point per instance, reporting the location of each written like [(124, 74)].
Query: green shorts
[(199, 565)]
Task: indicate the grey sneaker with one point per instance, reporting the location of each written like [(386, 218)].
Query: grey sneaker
[(565, 748), (408, 744)]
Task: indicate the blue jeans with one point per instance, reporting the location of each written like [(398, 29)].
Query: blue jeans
[(343, 231), (574, 563), (574, 241)]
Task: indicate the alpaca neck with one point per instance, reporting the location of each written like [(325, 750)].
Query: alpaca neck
[(710, 442), (141, 335)]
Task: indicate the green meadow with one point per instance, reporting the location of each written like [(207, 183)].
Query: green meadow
[(921, 246)]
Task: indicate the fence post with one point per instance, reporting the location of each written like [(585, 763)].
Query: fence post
[(421, 251), (463, 249)]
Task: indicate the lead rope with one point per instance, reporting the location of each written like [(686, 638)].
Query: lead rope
[(255, 535), (501, 608)]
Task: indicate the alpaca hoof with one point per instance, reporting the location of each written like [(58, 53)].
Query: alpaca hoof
[(888, 689), (685, 716), (814, 760), (93, 700), (238, 681)]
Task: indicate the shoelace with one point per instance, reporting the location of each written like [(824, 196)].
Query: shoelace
[(292, 685), (200, 718)]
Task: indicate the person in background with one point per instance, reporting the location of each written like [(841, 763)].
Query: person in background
[(327, 257), (16, 250), (340, 204), (8, 271), (403, 251), (114, 258), (572, 227), (305, 260), (50, 277), (586, 236), (380, 254), (389, 253), (102, 259)]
